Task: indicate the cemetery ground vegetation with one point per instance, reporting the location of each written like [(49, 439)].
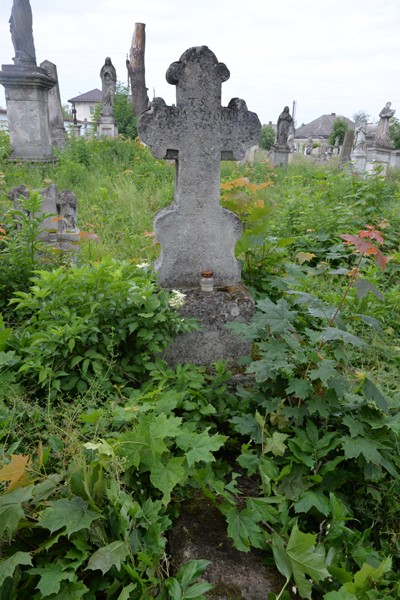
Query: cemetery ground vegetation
[(102, 442)]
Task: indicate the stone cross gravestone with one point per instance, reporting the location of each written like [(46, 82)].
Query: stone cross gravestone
[(196, 234)]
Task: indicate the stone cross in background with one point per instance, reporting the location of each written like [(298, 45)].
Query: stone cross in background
[(196, 234)]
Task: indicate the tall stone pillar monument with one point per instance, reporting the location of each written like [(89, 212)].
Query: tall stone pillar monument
[(26, 91)]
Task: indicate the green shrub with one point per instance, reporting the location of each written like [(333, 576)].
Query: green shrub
[(103, 322)]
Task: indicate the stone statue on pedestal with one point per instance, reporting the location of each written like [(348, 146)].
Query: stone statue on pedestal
[(285, 121), (21, 33), (382, 131), (108, 77)]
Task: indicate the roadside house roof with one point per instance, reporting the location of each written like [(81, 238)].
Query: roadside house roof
[(321, 127), (92, 96)]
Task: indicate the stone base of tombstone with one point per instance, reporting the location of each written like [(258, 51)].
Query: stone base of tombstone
[(359, 160), (394, 161), (213, 310), (26, 92), (75, 130), (280, 156), (194, 242), (58, 137), (107, 127), (377, 157)]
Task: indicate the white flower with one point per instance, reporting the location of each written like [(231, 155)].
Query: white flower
[(142, 265), (177, 299)]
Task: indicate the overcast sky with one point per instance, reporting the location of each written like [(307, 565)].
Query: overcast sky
[(340, 56)]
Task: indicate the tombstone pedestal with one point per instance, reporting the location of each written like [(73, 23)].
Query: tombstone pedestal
[(377, 156), (26, 92), (107, 127), (215, 341), (280, 155), (75, 130), (359, 160), (395, 159)]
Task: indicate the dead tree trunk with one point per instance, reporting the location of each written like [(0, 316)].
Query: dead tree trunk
[(136, 70)]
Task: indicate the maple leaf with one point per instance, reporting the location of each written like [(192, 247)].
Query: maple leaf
[(365, 246), (16, 471), (303, 257), (372, 234), (360, 244), (109, 556), (73, 515)]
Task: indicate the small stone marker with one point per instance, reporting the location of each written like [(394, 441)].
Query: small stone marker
[(347, 147), (196, 234)]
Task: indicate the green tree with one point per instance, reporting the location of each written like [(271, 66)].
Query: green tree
[(123, 112), (267, 137), (360, 115), (339, 128), (66, 111), (394, 132)]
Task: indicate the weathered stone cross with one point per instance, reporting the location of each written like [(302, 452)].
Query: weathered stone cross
[(195, 232)]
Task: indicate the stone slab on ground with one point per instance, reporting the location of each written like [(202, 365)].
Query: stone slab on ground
[(213, 310), (200, 533)]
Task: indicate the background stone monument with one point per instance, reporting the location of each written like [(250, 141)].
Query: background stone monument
[(26, 91), (280, 149), (58, 134), (380, 153), (196, 234), (107, 125), (59, 227)]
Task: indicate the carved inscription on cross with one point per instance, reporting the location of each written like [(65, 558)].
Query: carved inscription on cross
[(195, 232)]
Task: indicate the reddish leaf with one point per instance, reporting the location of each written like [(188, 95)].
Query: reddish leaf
[(372, 234), (381, 260), (360, 244)]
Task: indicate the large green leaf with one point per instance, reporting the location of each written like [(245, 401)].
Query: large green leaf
[(333, 333), (243, 528), (72, 514), (199, 446), (8, 566), (126, 593), (310, 500), (301, 557), (11, 511), (71, 591), (165, 477), (51, 577), (368, 448), (306, 560), (282, 560), (162, 427), (277, 316), (108, 556), (373, 394)]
